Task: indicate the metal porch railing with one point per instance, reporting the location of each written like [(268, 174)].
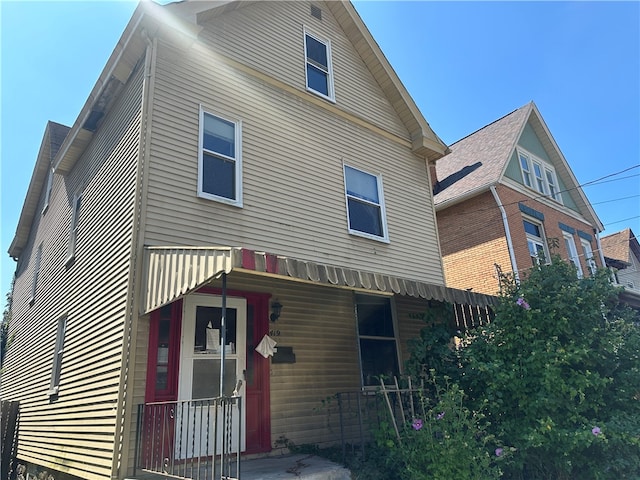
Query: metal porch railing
[(197, 439)]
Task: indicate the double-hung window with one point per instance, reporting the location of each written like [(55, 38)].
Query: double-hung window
[(57, 356), (570, 245), (535, 242), (539, 175), (377, 339), (588, 256), (73, 234), (365, 204), (36, 273), (220, 164), (47, 192), (319, 73)]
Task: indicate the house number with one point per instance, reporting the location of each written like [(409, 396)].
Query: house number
[(274, 333)]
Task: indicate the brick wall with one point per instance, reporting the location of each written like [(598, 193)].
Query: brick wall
[(473, 239)]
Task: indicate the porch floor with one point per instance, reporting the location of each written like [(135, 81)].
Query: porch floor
[(284, 467)]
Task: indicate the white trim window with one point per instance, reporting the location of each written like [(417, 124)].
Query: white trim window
[(536, 242), (73, 233), (47, 192), (539, 175), (36, 273), (365, 204), (572, 251), (220, 159), (588, 256), (318, 68), (57, 356), (377, 340)]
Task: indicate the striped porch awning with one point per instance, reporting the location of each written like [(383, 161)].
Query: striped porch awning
[(173, 272)]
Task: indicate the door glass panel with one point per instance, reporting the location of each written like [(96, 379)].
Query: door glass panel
[(206, 377), (207, 333)]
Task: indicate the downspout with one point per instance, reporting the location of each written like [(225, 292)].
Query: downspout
[(512, 255), (124, 417)]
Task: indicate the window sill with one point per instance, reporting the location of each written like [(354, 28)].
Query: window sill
[(369, 236), (329, 98), (53, 392), (214, 198)]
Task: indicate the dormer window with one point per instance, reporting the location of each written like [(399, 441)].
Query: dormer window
[(539, 175), (319, 72)]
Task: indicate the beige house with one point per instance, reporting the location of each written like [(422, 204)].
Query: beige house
[(257, 162)]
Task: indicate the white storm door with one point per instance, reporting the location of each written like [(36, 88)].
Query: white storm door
[(199, 377)]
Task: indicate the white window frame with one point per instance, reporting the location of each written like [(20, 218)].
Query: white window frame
[(36, 273), (361, 299), (73, 230), (383, 213), (237, 202), (329, 68), (588, 256), (572, 251), (56, 366), (47, 192), (536, 173), (534, 241)]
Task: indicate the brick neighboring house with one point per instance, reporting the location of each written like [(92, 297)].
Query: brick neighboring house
[(622, 254), (505, 197)]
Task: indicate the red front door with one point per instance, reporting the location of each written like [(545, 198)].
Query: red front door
[(257, 377), (162, 373)]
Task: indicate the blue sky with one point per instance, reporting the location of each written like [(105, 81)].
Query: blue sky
[(465, 64)]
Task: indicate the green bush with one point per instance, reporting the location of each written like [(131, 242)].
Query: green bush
[(558, 375), (447, 441)]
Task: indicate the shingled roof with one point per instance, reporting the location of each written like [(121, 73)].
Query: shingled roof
[(620, 245), (477, 161)]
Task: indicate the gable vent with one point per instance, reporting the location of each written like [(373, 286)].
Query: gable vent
[(316, 12)]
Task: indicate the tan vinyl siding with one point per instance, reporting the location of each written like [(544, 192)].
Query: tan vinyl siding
[(75, 431), (278, 51), (293, 153)]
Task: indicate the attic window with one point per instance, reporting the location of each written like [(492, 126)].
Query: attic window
[(319, 72), (316, 12), (539, 175)]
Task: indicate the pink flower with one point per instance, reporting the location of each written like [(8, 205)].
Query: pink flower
[(523, 303), (417, 424), (499, 451), (440, 416), (596, 431)]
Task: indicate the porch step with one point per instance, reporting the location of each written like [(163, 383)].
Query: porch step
[(301, 467), (284, 467)]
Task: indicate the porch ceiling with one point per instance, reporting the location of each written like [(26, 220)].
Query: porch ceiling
[(173, 272)]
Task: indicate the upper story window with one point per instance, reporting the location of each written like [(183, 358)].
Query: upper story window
[(365, 204), (73, 234), (47, 192), (377, 339), (219, 162), (570, 245), (539, 175), (319, 72), (57, 356), (588, 256), (536, 242), (36, 273)]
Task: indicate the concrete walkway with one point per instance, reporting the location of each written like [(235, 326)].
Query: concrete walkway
[(302, 467), (283, 467)]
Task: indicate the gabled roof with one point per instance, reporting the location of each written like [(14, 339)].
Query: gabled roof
[(424, 140), (621, 245), (54, 135), (184, 19), (479, 160)]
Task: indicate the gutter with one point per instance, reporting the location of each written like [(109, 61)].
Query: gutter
[(512, 255)]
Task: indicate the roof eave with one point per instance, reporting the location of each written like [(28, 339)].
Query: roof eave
[(463, 197)]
